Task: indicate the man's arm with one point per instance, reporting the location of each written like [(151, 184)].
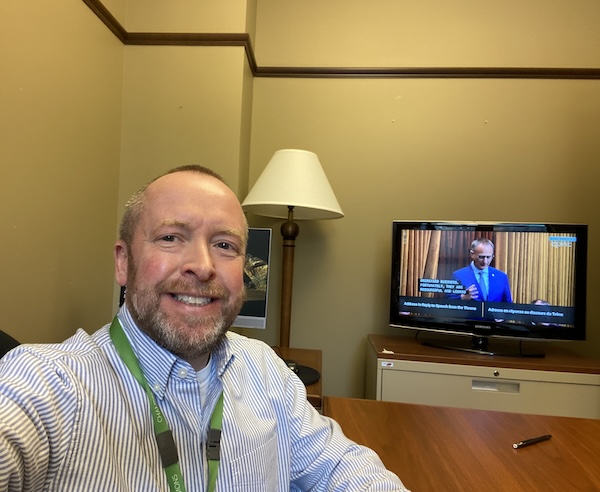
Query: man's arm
[(507, 293), (345, 465), (23, 452), (35, 410), (466, 278), (324, 459)]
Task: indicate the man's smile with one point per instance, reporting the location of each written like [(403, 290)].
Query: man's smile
[(192, 301)]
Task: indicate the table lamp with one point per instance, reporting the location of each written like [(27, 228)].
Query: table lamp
[(292, 186)]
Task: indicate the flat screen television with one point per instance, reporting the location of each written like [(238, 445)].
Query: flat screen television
[(533, 285)]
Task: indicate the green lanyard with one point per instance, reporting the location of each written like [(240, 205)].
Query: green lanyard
[(164, 437)]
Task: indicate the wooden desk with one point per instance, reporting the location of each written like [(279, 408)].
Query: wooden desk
[(310, 358), (454, 449)]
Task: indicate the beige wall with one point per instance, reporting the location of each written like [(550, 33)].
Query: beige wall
[(182, 105), (411, 33), (236, 16), (420, 149), (186, 16), (60, 119)]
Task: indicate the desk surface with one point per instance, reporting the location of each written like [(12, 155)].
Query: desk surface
[(450, 449)]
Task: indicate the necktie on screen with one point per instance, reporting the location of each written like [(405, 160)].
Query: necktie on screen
[(484, 293)]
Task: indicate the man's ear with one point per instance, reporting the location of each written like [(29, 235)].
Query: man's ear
[(121, 263)]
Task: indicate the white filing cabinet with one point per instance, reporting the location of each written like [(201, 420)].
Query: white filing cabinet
[(401, 369)]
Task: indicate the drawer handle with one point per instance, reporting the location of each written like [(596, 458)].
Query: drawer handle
[(495, 386)]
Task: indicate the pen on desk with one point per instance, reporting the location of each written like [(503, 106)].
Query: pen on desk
[(529, 442)]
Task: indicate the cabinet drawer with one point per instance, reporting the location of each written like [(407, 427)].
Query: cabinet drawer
[(522, 391)]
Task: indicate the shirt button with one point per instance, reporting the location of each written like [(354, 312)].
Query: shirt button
[(182, 373), (156, 387)]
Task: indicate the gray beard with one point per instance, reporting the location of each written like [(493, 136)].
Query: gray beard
[(161, 330), (144, 309)]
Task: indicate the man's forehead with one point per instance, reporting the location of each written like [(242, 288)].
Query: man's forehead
[(186, 181), (185, 198), (483, 248)]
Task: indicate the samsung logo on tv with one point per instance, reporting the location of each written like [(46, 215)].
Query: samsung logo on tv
[(483, 327)]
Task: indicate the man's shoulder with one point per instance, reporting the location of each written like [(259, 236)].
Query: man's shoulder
[(254, 363), (79, 349), (463, 271), (252, 351), (240, 344), (495, 271)]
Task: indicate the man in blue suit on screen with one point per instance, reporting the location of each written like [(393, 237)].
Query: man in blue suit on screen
[(480, 280)]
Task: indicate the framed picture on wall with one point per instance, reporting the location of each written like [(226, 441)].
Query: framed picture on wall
[(256, 280)]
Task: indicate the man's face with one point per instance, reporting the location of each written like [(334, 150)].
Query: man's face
[(482, 256), (184, 273)]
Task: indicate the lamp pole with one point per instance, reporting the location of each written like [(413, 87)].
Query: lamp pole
[(289, 232)]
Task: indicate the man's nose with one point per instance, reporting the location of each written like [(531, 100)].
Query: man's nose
[(198, 261)]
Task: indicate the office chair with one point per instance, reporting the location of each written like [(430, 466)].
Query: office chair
[(6, 343)]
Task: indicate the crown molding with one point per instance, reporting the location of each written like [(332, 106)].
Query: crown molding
[(108, 19), (431, 72), (243, 39)]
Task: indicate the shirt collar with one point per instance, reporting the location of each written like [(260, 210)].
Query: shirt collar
[(477, 270)]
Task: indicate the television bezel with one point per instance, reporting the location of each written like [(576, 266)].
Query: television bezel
[(484, 329)]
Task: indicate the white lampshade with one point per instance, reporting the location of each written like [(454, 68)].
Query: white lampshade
[(293, 178)]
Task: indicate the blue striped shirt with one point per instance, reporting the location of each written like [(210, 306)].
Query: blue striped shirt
[(73, 418)]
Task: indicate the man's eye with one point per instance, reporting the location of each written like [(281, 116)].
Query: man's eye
[(226, 246), (168, 238)]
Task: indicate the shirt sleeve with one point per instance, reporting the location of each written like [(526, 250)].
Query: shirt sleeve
[(32, 424), (324, 459)]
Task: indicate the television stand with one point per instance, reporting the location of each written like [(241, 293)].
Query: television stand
[(399, 368), (480, 345)]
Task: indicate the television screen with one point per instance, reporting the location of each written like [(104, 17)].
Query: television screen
[(518, 280), (256, 280)]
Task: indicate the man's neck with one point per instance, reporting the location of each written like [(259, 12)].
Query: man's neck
[(199, 363)]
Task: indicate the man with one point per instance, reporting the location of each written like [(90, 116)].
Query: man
[(130, 407), (481, 281)]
